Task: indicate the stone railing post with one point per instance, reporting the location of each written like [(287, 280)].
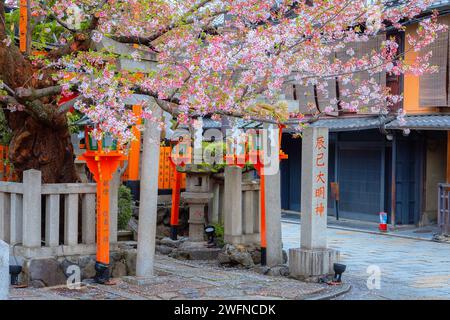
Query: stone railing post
[(4, 270), (88, 219), (114, 186), (32, 208), (233, 204), (4, 216), (215, 204)]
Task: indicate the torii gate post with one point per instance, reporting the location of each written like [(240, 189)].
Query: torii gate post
[(313, 259)]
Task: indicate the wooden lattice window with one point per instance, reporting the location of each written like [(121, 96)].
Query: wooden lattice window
[(433, 87)]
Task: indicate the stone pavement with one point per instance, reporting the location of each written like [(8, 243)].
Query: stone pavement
[(409, 268), (403, 231), (189, 280)]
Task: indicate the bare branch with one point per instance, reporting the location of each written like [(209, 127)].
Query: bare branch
[(30, 94)]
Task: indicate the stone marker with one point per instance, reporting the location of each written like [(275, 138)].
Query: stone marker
[(4, 270), (313, 259), (274, 255)]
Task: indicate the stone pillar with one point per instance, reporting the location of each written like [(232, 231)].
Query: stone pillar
[(114, 186), (148, 197), (313, 259), (250, 213), (221, 203), (31, 208), (4, 270), (233, 205), (273, 220), (215, 204), (271, 147), (196, 216)]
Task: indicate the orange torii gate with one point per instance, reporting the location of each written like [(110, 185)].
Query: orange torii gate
[(233, 160)]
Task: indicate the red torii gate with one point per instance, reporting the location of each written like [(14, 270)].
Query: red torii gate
[(233, 160)]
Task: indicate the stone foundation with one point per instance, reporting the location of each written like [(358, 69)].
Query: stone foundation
[(310, 265), (194, 251), (47, 272)]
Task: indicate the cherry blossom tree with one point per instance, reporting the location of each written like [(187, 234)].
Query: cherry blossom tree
[(211, 58)]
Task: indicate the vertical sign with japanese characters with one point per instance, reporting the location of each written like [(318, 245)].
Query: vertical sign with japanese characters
[(314, 188), (320, 189)]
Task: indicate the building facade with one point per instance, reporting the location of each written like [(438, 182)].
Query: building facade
[(381, 163)]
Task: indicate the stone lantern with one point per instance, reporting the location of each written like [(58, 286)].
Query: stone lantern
[(197, 196)]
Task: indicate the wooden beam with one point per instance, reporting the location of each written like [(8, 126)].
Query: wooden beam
[(24, 42), (135, 148)]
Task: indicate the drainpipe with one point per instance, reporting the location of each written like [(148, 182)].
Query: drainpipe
[(393, 179)]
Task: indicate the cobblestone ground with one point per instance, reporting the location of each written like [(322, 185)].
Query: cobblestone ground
[(410, 269), (188, 280)]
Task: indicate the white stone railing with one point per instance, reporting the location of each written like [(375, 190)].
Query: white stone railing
[(237, 207), (51, 220)]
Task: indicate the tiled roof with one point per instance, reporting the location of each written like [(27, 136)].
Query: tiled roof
[(424, 122), (351, 123), (440, 3), (241, 123)]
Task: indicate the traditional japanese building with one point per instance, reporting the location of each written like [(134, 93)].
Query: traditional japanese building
[(381, 163)]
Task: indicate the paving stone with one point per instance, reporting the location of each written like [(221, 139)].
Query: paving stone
[(410, 268)]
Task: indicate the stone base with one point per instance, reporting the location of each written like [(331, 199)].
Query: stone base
[(312, 264), (195, 251), (244, 239), (47, 272)]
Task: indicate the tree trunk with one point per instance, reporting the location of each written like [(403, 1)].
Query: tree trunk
[(35, 145), (41, 144)]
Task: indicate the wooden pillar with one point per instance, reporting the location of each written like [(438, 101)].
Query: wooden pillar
[(175, 209), (135, 148), (448, 156), (135, 155), (103, 222), (25, 39)]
